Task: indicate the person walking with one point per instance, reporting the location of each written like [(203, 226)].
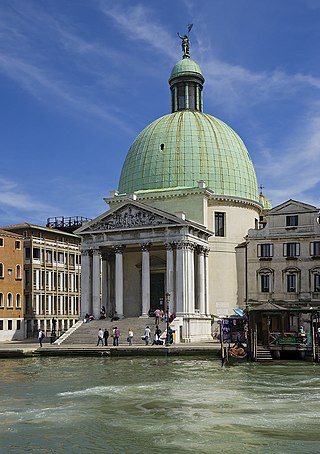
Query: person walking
[(100, 337), (156, 337), (105, 337), (130, 336), (116, 335), (157, 314), (40, 337), (147, 335)]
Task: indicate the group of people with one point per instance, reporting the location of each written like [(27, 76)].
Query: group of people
[(103, 336), (156, 336)]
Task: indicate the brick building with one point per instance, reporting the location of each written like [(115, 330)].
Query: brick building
[(11, 286)]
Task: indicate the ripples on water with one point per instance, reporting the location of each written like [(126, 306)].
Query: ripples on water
[(155, 405)]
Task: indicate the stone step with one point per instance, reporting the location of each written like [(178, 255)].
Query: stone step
[(87, 333)]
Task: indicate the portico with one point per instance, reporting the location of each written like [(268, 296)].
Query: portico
[(133, 255)]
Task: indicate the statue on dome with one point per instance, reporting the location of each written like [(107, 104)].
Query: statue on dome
[(185, 43)]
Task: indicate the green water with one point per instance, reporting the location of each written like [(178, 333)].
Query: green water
[(156, 405)]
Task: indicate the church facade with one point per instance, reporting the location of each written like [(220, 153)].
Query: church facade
[(187, 197)]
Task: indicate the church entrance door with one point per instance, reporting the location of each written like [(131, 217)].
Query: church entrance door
[(156, 291)]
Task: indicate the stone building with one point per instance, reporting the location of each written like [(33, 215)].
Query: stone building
[(283, 258), (11, 286), (51, 278), (186, 198)]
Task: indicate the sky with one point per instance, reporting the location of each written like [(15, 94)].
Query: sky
[(80, 79)]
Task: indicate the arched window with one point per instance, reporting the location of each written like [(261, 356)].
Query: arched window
[(1, 270), (315, 280), (291, 280), (266, 280), (1, 300), (9, 300), (18, 301), (18, 271)]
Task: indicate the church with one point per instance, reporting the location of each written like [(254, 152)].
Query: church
[(186, 198)]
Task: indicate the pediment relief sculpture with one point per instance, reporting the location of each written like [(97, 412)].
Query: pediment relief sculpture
[(129, 217)]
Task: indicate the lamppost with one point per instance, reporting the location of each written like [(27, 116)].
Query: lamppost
[(168, 322)]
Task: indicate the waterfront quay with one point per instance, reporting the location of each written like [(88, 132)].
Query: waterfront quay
[(27, 349)]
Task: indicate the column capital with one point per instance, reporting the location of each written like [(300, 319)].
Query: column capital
[(85, 252), (202, 250), (119, 248), (185, 245), (169, 246), (145, 247), (96, 251)]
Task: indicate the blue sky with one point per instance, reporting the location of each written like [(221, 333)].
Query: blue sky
[(80, 79)]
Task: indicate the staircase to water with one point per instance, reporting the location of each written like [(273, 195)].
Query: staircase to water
[(87, 333), (263, 354)]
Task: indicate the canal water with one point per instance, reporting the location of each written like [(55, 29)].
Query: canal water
[(158, 405)]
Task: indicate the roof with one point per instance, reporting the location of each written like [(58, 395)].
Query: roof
[(5, 232), (28, 226), (182, 148), (186, 67)]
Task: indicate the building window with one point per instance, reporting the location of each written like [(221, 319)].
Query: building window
[(181, 97), (315, 248), (291, 283), (316, 282), (1, 300), (291, 249), (219, 223), (292, 221), (1, 242), (265, 250), (265, 283), (1, 325), (27, 253), (18, 301), (1, 270), (9, 325), (36, 253), (9, 300), (18, 272), (18, 244), (18, 325)]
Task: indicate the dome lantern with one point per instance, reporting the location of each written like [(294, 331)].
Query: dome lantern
[(186, 82)]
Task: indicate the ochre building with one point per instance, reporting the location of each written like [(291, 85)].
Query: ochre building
[(11, 286)]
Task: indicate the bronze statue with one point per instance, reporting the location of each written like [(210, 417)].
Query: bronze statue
[(185, 44)]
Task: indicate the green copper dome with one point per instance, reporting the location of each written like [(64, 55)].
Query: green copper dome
[(266, 204), (186, 66), (184, 147), (187, 146)]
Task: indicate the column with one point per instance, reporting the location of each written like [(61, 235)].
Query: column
[(175, 91), (104, 281), (170, 276), (186, 96), (119, 280), (86, 291), (96, 305), (190, 279), (201, 282), (145, 279), (206, 273), (197, 94), (181, 278)]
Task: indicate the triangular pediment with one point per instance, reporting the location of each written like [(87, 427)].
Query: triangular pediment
[(292, 206), (130, 215)]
